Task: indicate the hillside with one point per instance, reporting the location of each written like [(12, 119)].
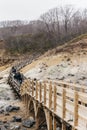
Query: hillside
[(67, 62)]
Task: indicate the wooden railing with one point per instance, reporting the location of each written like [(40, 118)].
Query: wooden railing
[(68, 104), (72, 86)]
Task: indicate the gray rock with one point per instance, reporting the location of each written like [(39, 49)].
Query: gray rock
[(1, 123), (71, 75), (28, 123), (17, 128), (12, 108), (82, 78), (24, 129), (61, 78), (7, 98), (7, 125), (3, 128), (58, 128), (1, 111), (17, 119)]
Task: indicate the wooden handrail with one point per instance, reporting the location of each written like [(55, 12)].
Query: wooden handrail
[(67, 104), (80, 88)]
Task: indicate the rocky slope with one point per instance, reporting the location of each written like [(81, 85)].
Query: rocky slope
[(67, 63)]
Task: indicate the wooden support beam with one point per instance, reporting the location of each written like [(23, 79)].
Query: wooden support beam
[(54, 123), (40, 91), (75, 108), (37, 124), (63, 107), (55, 98), (50, 123), (42, 122), (28, 86), (50, 95), (25, 98), (45, 93), (21, 98), (37, 90), (27, 112), (32, 84), (27, 101), (63, 126), (63, 103)]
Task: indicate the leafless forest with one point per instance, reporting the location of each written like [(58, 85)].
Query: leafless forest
[(53, 28)]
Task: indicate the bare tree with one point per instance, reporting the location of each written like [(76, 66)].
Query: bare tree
[(67, 14)]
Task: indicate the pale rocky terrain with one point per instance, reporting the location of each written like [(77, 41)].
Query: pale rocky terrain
[(68, 63)]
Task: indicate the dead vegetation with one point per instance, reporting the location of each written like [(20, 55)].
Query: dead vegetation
[(76, 45)]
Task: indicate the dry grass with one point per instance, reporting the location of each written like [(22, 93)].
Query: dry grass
[(67, 47)]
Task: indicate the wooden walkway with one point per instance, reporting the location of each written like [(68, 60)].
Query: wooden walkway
[(67, 101), (59, 99)]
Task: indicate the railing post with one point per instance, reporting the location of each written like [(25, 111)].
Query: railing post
[(24, 99), (54, 123), (44, 93), (55, 98), (63, 103), (63, 126), (28, 86), (25, 86), (50, 95), (75, 109), (40, 91), (63, 108), (21, 91), (27, 97), (24, 93), (50, 121), (36, 90), (32, 82)]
